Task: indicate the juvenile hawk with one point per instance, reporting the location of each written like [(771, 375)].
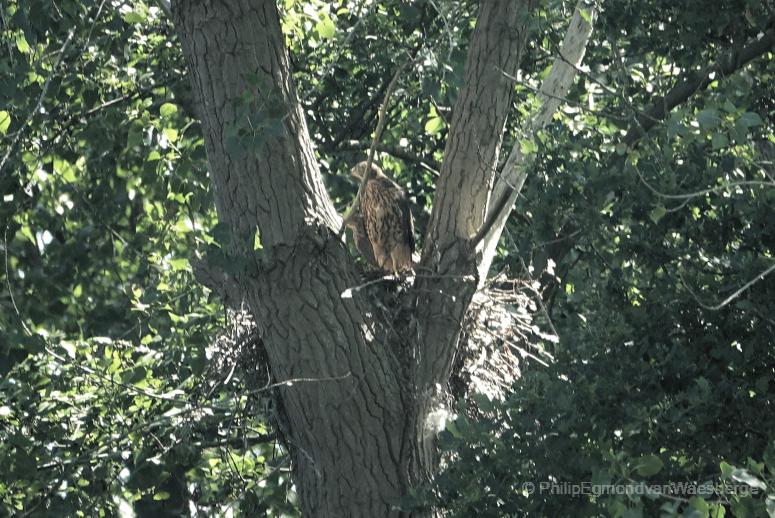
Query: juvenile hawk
[(387, 220)]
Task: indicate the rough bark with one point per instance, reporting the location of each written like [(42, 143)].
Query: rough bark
[(479, 117)]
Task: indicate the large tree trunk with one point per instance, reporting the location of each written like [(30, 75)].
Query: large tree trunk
[(344, 416), (366, 371)]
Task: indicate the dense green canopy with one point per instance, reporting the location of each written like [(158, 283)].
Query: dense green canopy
[(650, 254)]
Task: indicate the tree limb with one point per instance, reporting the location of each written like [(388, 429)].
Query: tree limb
[(476, 129), (730, 62), (280, 197)]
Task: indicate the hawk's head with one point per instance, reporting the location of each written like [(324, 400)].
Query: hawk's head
[(359, 170)]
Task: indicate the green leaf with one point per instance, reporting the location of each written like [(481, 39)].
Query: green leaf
[(740, 132), (133, 17), (5, 121), (699, 504), (453, 429), (409, 13), (528, 146), (744, 476), (21, 44), (167, 109), (65, 169), (728, 106), (326, 28), (649, 465), (720, 141), (171, 134), (161, 495), (180, 264), (134, 375), (657, 213), (751, 119), (434, 125), (708, 119)]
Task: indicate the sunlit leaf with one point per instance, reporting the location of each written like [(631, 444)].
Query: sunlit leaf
[(434, 125), (5, 122), (326, 28)]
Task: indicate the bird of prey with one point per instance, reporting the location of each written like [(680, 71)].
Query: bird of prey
[(382, 219)]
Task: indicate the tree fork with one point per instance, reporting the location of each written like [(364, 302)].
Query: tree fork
[(357, 421)]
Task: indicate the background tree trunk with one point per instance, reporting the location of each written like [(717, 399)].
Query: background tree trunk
[(366, 371)]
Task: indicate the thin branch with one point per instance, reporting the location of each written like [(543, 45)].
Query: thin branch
[(358, 116), (702, 192), (538, 298), (165, 5), (521, 350), (592, 78), (39, 102), (8, 283), (447, 29), (7, 40), (291, 381), (238, 442), (377, 135), (131, 388), (734, 295), (348, 293), (398, 152), (383, 109)]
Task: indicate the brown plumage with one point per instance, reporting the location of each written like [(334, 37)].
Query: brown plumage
[(387, 223), (354, 221)]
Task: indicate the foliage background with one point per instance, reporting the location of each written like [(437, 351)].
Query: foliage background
[(117, 398)]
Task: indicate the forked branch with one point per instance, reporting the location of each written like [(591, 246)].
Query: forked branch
[(554, 88)]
